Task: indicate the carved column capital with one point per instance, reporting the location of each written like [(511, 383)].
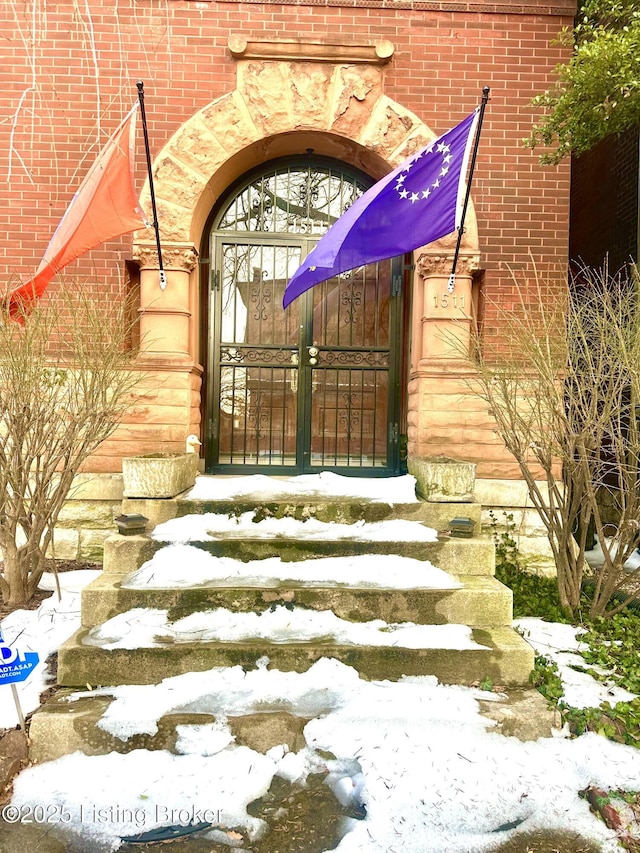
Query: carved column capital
[(176, 256), (440, 264)]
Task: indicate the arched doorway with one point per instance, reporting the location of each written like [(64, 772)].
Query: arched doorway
[(316, 387)]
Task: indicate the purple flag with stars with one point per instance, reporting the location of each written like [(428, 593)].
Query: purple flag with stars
[(417, 203)]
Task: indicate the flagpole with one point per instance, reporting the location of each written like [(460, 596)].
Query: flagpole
[(485, 99), (163, 278)]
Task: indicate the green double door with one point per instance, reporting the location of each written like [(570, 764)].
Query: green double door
[(314, 387)]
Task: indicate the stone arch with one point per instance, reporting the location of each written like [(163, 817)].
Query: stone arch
[(281, 108)]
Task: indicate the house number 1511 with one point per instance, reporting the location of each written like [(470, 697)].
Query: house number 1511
[(447, 299)]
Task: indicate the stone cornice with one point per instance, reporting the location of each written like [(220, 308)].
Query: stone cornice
[(176, 256), (296, 50), (440, 264)]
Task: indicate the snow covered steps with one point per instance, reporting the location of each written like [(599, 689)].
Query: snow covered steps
[(457, 655), (397, 616), (255, 535), (479, 601), (326, 497), (232, 582)]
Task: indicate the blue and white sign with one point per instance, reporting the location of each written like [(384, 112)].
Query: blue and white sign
[(15, 665)]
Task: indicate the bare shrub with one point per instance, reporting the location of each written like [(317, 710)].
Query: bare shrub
[(563, 383), (66, 380)]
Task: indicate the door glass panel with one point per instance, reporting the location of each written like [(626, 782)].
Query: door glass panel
[(258, 364), (350, 384)]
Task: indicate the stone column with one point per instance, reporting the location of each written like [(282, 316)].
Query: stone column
[(444, 331), (165, 315), (441, 339)]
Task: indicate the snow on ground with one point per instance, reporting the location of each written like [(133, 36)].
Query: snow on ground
[(42, 631), (426, 765), (102, 798), (184, 566), (210, 526), (391, 490), (436, 785), (560, 643), (419, 757), (74, 581), (595, 557), (150, 628)]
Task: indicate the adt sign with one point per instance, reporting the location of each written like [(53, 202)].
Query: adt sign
[(14, 665)]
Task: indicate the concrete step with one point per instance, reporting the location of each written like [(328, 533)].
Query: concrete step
[(480, 602), (61, 726), (457, 556), (322, 508), (346, 511), (400, 529), (505, 658)]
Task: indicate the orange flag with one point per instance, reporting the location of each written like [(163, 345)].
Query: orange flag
[(104, 207)]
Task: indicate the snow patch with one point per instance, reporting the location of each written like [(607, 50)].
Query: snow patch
[(561, 644), (211, 526), (390, 490), (185, 566), (150, 628)]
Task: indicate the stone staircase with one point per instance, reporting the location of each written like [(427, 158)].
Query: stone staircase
[(480, 602)]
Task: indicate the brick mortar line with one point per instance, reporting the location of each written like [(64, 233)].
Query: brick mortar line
[(425, 5)]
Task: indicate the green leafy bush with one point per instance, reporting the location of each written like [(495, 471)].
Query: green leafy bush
[(532, 595)]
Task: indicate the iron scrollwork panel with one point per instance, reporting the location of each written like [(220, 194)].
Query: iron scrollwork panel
[(248, 355), (349, 417), (259, 423), (353, 358), (300, 198)]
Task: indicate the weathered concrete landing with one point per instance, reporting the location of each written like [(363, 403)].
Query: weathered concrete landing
[(62, 727)]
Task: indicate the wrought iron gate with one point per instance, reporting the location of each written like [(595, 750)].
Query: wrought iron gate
[(315, 387)]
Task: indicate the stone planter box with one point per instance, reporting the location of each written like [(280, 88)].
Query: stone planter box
[(442, 480), (159, 475)]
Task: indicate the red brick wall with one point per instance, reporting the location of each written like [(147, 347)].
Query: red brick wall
[(54, 107)]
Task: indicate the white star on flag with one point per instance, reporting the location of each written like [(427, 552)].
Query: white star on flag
[(441, 170)]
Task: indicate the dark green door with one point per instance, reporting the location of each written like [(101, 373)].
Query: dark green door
[(315, 387)]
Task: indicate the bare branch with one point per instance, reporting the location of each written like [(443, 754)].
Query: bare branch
[(66, 381), (563, 383)]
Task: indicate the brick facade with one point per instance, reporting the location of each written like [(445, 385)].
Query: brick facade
[(69, 75)]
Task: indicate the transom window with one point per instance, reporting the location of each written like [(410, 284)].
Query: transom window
[(298, 198)]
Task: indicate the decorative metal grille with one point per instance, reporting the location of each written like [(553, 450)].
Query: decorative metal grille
[(314, 386), (299, 199)]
